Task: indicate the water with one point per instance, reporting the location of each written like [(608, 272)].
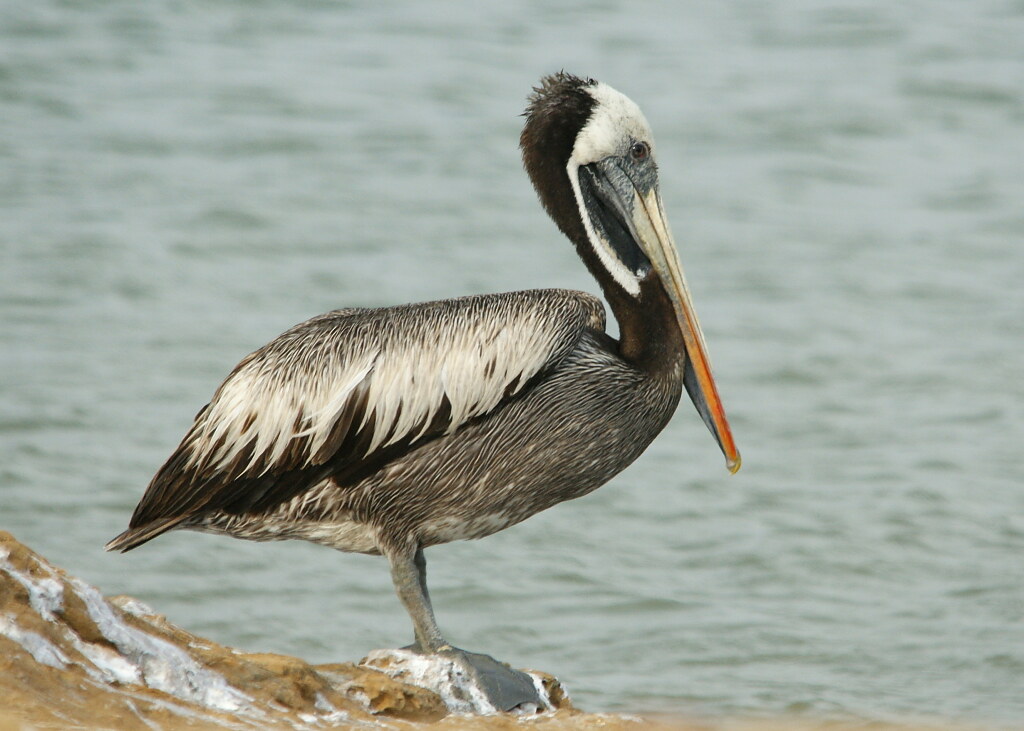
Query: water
[(179, 182)]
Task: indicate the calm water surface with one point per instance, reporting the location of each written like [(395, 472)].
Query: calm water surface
[(181, 181)]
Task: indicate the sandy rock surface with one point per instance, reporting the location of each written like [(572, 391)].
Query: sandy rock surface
[(71, 658)]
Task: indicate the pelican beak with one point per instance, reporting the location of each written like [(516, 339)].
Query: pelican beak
[(655, 238), (622, 211)]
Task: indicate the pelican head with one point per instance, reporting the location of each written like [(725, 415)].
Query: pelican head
[(590, 154)]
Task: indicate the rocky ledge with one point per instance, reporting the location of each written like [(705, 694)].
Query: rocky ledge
[(71, 658)]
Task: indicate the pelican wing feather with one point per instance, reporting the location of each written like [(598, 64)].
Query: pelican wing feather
[(341, 394)]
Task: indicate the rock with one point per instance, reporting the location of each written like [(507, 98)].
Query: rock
[(70, 657)]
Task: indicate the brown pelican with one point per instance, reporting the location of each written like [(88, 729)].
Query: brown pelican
[(386, 431)]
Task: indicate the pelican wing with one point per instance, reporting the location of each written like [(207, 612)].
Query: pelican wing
[(344, 392)]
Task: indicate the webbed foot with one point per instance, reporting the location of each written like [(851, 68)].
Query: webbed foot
[(506, 689)]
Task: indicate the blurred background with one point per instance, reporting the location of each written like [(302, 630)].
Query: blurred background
[(181, 181)]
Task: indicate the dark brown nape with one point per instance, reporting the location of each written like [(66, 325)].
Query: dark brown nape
[(558, 109)]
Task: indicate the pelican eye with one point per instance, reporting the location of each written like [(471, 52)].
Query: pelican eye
[(639, 150)]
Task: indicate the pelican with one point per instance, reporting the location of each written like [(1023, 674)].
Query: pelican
[(387, 431)]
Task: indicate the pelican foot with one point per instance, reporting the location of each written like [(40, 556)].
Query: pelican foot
[(506, 689)]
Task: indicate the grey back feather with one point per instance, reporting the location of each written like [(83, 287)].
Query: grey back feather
[(343, 391)]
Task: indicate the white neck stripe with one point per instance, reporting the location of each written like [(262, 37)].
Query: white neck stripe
[(620, 273)]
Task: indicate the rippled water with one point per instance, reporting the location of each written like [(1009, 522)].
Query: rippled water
[(181, 181)]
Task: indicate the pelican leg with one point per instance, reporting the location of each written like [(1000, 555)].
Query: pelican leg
[(505, 688), (421, 574), (409, 575)]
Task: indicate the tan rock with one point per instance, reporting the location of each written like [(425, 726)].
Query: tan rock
[(70, 658)]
